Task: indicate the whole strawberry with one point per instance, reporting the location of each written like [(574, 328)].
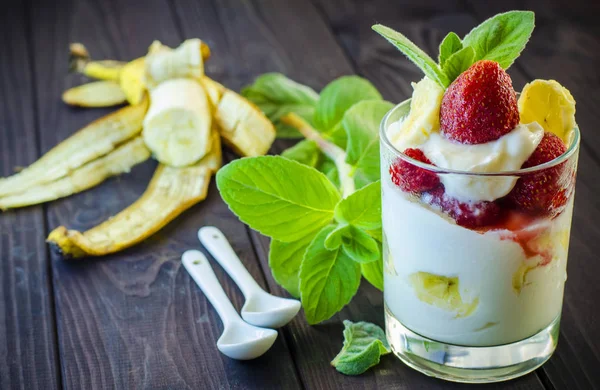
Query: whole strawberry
[(470, 215), (480, 105), (545, 192), (411, 178)]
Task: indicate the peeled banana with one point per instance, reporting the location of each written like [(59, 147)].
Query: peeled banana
[(171, 192), (242, 125), (121, 160), (442, 292), (95, 94), (96, 139), (178, 124)]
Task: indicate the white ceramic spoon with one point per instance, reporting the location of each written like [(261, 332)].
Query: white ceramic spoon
[(239, 340), (261, 308)]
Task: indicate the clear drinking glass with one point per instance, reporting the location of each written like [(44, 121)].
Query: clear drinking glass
[(473, 305)]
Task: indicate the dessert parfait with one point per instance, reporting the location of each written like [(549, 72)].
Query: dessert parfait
[(478, 186)]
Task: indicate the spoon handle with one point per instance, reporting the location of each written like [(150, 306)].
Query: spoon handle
[(199, 268), (218, 246)]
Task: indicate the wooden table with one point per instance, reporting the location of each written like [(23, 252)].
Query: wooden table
[(136, 319)]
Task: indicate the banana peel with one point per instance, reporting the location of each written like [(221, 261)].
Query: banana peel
[(170, 192), (186, 61), (243, 126), (95, 94), (119, 161), (80, 62), (96, 139)]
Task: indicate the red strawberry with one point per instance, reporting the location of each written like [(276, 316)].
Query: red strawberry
[(470, 215), (544, 192), (411, 178), (480, 105)]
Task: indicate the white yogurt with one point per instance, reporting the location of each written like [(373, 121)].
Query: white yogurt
[(419, 239)]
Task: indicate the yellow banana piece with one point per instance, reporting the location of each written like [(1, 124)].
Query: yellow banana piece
[(242, 125), (442, 292), (178, 124), (119, 161), (96, 139), (170, 192), (95, 94), (131, 80)]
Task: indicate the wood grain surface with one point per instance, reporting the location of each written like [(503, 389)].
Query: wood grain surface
[(136, 320)]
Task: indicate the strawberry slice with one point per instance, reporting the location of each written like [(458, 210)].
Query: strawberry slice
[(545, 192), (471, 215), (480, 105), (411, 178)]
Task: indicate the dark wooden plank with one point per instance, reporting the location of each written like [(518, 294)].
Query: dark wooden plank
[(294, 38), (564, 47), (28, 356), (135, 319)]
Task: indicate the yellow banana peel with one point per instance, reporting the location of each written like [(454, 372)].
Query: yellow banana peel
[(96, 139), (119, 161), (170, 192), (95, 94)]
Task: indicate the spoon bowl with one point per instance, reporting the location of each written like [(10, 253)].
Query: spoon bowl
[(261, 308), (264, 309), (243, 341), (239, 340)]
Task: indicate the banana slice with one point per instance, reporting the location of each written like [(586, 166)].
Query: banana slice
[(186, 61), (171, 192), (424, 116), (119, 161), (442, 292), (242, 125), (177, 126), (549, 104), (96, 139), (96, 94)]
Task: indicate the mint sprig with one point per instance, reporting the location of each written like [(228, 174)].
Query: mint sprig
[(501, 38), (320, 201), (364, 344)]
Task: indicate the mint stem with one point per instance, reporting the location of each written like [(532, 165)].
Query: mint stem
[(331, 150)]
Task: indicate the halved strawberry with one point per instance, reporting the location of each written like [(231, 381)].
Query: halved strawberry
[(470, 215), (411, 178), (545, 192), (480, 105)]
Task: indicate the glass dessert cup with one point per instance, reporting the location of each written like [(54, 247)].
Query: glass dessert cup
[(469, 304)]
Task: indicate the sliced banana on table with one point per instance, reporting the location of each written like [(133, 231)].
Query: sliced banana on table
[(178, 124)]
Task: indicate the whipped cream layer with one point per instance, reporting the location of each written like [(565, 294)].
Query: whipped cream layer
[(508, 153), (516, 296)]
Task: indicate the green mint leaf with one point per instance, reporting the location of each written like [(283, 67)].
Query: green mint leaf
[(364, 344), (359, 246), (361, 209), (336, 98), (335, 238), (328, 279), (305, 152), (459, 62), (278, 197), (362, 122), (414, 53), (373, 272), (308, 153), (450, 45), (285, 259), (277, 95), (502, 37)]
